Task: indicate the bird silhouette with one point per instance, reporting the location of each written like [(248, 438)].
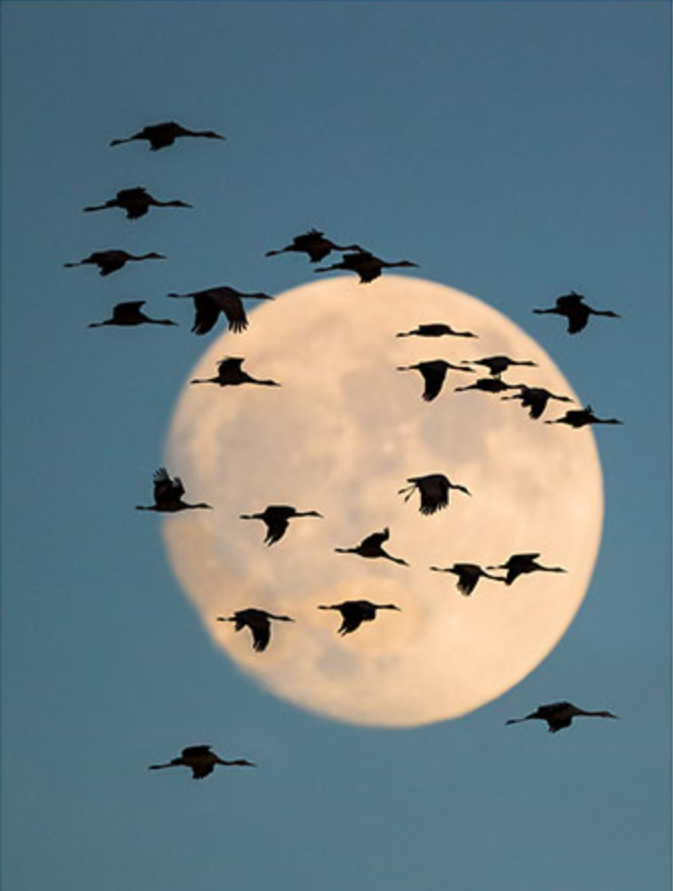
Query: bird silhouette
[(575, 311), (277, 519), (580, 417), (129, 314), (433, 373), (488, 385), (535, 399), (112, 260), (230, 374), (168, 495), (434, 490), (559, 715), (314, 244), (435, 329), (355, 612), (259, 623), (162, 135), (468, 576), (498, 364), (210, 303), (521, 564), (367, 266), (136, 202), (371, 547), (201, 760)]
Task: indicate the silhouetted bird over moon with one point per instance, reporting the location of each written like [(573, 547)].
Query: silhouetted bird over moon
[(366, 265), (208, 305), (488, 385), (277, 519), (577, 312), (521, 564), (314, 244), (559, 715), (231, 374), (535, 399), (259, 623), (468, 576), (113, 260), (355, 612), (372, 547), (168, 495), (435, 329), (580, 417), (201, 760), (433, 373), (434, 491), (497, 365), (129, 314), (162, 135), (136, 202)]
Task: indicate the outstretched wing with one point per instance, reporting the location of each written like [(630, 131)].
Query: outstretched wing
[(130, 308), (232, 307), (376, 539), (207, 312), (195, 751), (199, 771), (261, 633), (468, 576), (351, 618), (275, 529), (433, 375), (434, 493)]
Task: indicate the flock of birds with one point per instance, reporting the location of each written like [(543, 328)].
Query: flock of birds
[(434, 489)]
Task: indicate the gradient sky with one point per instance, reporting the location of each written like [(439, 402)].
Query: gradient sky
[(515, 150)]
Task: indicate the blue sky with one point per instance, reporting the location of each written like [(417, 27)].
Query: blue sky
[(515, 150)]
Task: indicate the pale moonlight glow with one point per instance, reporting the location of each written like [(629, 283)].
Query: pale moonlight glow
[(341, 436)]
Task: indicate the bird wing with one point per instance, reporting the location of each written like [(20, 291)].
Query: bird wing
[(261, 633), (195, 751), (199, 771), (351, 618), (468, 576), (434, 493), (232, 307), (164, 486), (276, 527), (127, 310), (229, 364), (376, 538), (433, 375), (207, 312), (578, 320)]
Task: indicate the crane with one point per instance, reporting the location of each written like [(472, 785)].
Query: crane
[(277, 519), (163, 135), (201, 760), (168, 495), (434, 491), (372, 547), (208, 305), (355, 612), (559, 715), (136, 202), (230, 374), (259, 623)]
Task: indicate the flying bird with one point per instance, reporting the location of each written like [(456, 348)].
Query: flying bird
[(371, 547), (575, 311), (433, 373), (112, 260), (130, 314), (168, 495), (277, 519), (580, 417), (210, 303), (498, 364), (162, 135), (434, 490), (535, 399), (367, 266), (559, 715), (468, 576), (521, 564), (259, 623), (136, 202), (488, 385), (201, 760), (355, 612), (315, 245), (230, 374), (435, 329)]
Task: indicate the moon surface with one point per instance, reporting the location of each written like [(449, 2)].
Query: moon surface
[(341, 435)]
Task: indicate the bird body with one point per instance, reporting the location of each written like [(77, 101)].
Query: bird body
[(468, 576), (366, 265), (535, 399), (112, 260), (372, 547), (434, 491), (580, 417), (162, 135), (130, 314), (210, 303), (136, 202), (231, 374), (201, 760), (559, 715), (433, 373), (521, 564), (277, 519), (498, 364), (355, 612), (577, 312), (259, 623), (168, 494), (435, 329), (314, 244)]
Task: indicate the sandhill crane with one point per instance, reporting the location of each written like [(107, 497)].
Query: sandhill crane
[(314, 244), (168, 495), (162, 135), (576, 312), (259, 623), (488, 385), (112, 260), (435, 329), (535, 399), (433, 373), (520, 564), (230, 374), (277, 519), (434, 490), (367, 266), (355, 612), (201, 760), (498, 364), (129, 314), (136, 202), (559, 715), (210, 303), (580, 417), (468, 576), (371, 547)]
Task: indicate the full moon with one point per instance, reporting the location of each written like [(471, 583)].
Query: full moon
[(341, 435)]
